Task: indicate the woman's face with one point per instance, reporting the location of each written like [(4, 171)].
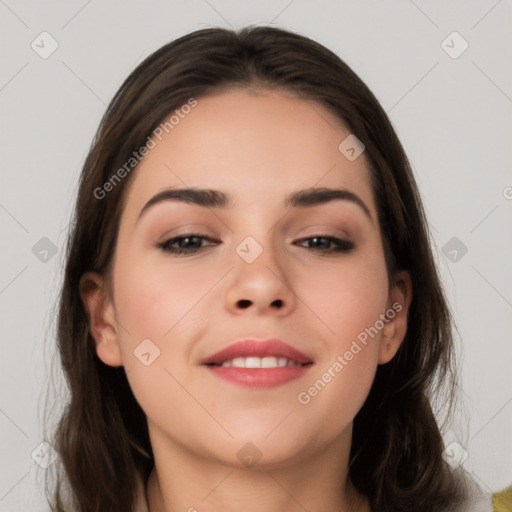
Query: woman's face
[(255, 267)]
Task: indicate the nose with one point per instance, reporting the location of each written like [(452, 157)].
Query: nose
[(261, 286)]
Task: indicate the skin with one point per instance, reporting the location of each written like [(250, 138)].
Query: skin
[(258, 146)]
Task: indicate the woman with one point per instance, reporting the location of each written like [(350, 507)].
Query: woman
[(251, 317)]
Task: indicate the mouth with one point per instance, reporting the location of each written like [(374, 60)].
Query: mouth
[(259, 364)]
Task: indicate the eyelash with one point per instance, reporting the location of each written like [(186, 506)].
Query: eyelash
[(344, 246)]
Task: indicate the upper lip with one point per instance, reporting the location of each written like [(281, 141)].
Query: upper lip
[(258, 348)]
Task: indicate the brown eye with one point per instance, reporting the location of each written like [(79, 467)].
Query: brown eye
[(328, 244), (186, 244)]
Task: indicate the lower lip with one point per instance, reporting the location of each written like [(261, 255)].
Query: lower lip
[(259, 377)]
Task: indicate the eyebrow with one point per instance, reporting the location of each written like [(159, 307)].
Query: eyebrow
[(210, 198)]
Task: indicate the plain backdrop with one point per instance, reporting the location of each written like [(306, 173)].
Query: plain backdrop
[(449, 96)]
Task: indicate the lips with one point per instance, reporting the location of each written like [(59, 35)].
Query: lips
[(258, 364), (250, 349)]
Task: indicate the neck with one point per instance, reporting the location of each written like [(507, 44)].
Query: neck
[(183, 481)]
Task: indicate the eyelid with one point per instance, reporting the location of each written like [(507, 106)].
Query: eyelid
[(186, 229), (322, 230)]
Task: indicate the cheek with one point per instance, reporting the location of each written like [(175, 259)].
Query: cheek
[(348, 304), (347, 298), (148, 306), (160, 309), (153, 298)]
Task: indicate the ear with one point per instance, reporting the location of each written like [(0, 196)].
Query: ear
[(394, 330), (101, 315)]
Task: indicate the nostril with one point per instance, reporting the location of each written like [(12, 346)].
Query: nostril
[(244, 303), (278, 303)]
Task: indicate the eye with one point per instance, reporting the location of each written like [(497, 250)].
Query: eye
[(191, 243), (327, 244), (188, 243)]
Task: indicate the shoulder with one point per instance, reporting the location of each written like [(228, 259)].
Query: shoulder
[(502, 501), (481, 500)]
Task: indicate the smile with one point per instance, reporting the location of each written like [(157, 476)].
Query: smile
[(258, 364)]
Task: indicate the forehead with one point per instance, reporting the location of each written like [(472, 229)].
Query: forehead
[(256, 145)]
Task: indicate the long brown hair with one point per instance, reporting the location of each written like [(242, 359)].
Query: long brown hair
[(102, 436)]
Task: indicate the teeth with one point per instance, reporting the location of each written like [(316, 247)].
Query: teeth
[(253, 362), (260, 362), (269, 362)]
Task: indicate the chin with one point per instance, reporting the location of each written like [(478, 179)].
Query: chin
[(260, 451)]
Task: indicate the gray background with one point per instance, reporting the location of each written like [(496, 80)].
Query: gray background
[(453, 116)]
